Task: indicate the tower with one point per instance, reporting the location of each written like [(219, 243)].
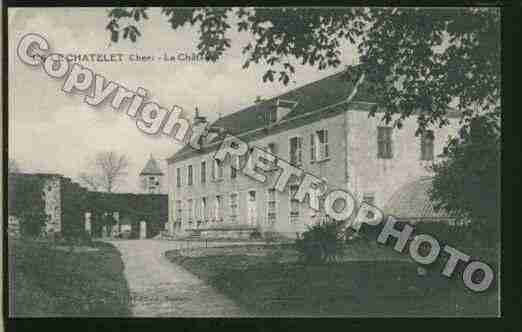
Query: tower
[(151, 177)]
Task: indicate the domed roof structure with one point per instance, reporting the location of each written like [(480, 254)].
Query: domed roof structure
[(412, 203)]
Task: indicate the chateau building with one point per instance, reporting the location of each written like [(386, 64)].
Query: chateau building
[(325, 128)]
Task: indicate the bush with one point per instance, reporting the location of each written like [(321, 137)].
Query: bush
[(472, 235), (321, 243)]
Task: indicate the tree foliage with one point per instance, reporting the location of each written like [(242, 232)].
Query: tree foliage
[(467, 181), (415, 61), (106, 171), (413, 58), (320, 243), (27, 203)]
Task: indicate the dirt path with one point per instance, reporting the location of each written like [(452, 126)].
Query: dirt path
[(160, 288)]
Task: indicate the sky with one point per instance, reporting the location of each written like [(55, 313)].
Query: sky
[(55, 132)]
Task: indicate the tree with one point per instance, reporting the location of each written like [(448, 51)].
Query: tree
[(106, 171), (467, 181), (415, 61), (26, 202), (413, 58)]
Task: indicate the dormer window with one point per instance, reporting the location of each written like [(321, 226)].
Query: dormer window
[(283, 108)]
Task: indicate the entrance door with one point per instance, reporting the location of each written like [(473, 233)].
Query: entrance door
[(251, 208)]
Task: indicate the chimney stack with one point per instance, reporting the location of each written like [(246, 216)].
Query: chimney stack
[(198, 119), (283, 107)]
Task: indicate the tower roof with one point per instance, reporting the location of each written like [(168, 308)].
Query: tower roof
[(151, 168)]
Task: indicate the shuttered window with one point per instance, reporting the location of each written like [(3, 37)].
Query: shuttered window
[(271, 208), (233, 207), (294, 205), (384, 142), (319, 149), (178, 177), (190, 175), (217, 170), (296, 156), (203, 172), (427, 140), (204, 209)]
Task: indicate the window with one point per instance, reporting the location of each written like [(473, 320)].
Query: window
[(233, 207), (272, 148), (251, 195), (369, 198), (218, 209), (204, 207), (190, 210), (384, 141), (296, 144), (271, 207), (178, 177), (179, 211), (217, 170), (233, 172), (319, 145), (427, 140), (190, 175), (203, 172), (294, 205)]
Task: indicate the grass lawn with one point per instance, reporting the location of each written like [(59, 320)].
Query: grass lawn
[(47, 281), (265, 284)]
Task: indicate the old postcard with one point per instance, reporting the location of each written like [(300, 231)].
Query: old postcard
[(253, 162)]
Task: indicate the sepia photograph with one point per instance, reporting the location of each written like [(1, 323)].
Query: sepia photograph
[(253, 162)]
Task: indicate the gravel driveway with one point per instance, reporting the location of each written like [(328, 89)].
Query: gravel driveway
[(160, 288)]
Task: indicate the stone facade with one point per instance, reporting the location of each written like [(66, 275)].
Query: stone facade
[(352, 164), (53, 204), (50, 187), (369, 175)]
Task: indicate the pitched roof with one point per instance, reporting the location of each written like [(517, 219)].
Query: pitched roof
[(316, 100), (151, 168), (310, 97), (411, 202)]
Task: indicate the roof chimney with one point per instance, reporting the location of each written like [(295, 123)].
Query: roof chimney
[(198, 119)]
